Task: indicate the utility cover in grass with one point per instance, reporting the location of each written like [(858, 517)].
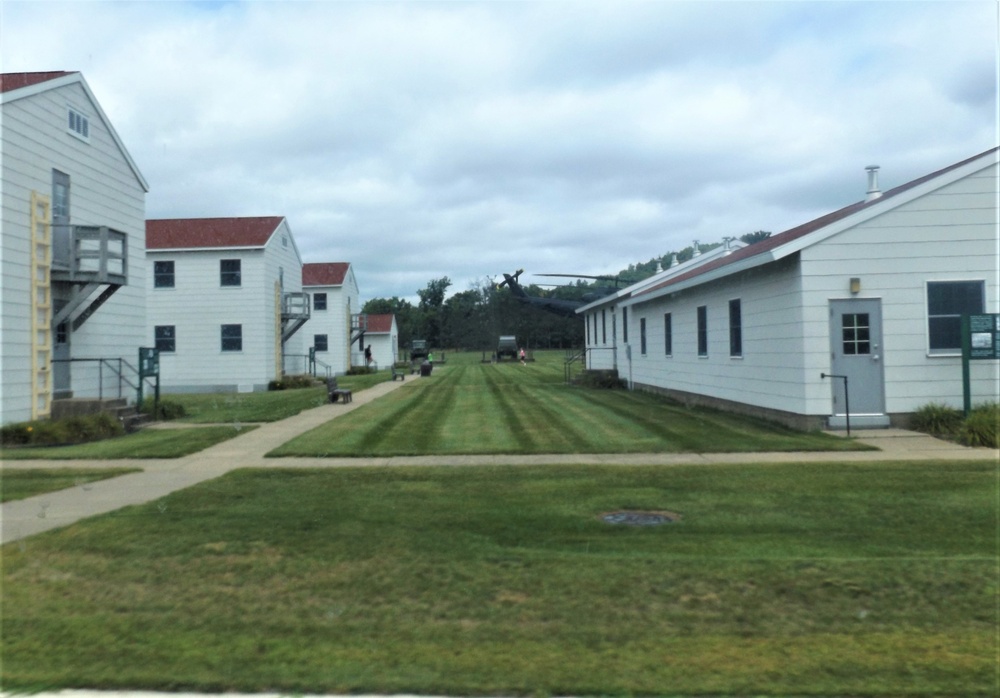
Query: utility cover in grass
[(640, 518)]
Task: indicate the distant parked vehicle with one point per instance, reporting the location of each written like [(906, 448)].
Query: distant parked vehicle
[(418, 349), (507, 346)]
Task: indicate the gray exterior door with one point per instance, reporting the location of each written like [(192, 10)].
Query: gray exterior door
[(61, 347), (856, 352)]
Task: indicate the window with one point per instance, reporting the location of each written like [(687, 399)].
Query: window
[(319, 342), (735, 328), (586, 321), (625, 326), (229, 272), (702, 330), (668, 334), (163, 274), (642, 336), (62, 333), (319, 301), (604, 327), (232, 338), (79, 125), (165, 338), (856, 334), (947, 301)]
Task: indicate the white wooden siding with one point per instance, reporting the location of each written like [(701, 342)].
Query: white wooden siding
[(949, 233), (198, 305), (104, 190)]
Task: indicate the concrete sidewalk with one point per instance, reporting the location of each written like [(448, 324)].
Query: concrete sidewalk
[(27, 517)]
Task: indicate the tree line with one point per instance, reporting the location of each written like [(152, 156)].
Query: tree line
[(474, 319)]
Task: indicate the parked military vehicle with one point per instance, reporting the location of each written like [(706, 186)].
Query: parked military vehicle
[(507, 346), (418, 349)]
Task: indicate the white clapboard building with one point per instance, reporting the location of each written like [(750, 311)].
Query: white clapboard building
[(225, 302), (73, 308), (873, 291)]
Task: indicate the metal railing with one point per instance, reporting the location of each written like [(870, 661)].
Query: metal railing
[(114, 375)]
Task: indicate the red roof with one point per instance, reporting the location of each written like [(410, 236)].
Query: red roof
[(15, 81), (183, 233), (802, 230), (324, 273), (380, 323)]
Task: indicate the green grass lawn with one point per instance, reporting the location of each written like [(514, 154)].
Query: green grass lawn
[(804, 579), (470, 408), (147, 443), (271, 406), (21, 483)]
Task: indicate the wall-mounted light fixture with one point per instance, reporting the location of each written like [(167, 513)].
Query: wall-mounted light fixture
[(855, 284)]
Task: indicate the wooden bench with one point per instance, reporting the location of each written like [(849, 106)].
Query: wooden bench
[(334, 393), (396, 374)]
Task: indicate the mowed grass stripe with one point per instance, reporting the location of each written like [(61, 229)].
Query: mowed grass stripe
[(468, 407)]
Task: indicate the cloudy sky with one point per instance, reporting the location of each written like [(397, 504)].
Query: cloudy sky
[(463, 139)]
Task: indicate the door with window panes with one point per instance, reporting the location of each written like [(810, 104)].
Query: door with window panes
[(856, 352)]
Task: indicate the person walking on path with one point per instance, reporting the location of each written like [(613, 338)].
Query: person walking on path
[(522, 357)]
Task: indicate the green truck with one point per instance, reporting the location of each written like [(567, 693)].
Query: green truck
[(418, 349)]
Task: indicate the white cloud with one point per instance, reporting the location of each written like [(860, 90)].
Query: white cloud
[(471, 138)]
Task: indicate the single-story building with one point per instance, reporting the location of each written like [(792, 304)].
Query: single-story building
[(873, 291), (382, 335)]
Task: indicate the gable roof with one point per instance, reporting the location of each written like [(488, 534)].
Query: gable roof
[(14, 86), (325, 273), (802, 236), (380, 324), (209, 233)]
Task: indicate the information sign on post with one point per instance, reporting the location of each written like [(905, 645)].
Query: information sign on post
[(149, 367), (980, 340)]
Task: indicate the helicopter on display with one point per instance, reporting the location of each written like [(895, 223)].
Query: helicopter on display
[(559, 306)]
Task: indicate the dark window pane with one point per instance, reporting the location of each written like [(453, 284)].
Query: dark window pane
[(232, 338), (229, 272)]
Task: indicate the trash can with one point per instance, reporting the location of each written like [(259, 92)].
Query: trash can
[(425, 368)]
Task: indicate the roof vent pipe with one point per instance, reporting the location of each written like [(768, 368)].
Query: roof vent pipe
[(873, 191)]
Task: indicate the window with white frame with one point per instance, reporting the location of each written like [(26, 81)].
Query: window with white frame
[(165, 338), (163, 274), (232, 338), (668, 334), (320, 342), (947, 302), (319, 301), (642, 336), (735, 328), (230, 272), (702, 330)]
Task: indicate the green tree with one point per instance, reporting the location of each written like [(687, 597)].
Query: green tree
[(430, 309), (756, 236)]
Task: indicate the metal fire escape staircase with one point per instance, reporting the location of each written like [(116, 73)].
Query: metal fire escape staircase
[(93, 261), (295, 311), (359, 325)]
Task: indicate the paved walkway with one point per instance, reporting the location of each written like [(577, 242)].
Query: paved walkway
[(27, 517)]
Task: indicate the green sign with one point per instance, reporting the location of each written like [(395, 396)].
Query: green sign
[(984, 336), (149, 362), (980, 340)]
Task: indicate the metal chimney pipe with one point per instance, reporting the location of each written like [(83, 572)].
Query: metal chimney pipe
[(873, 191)]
